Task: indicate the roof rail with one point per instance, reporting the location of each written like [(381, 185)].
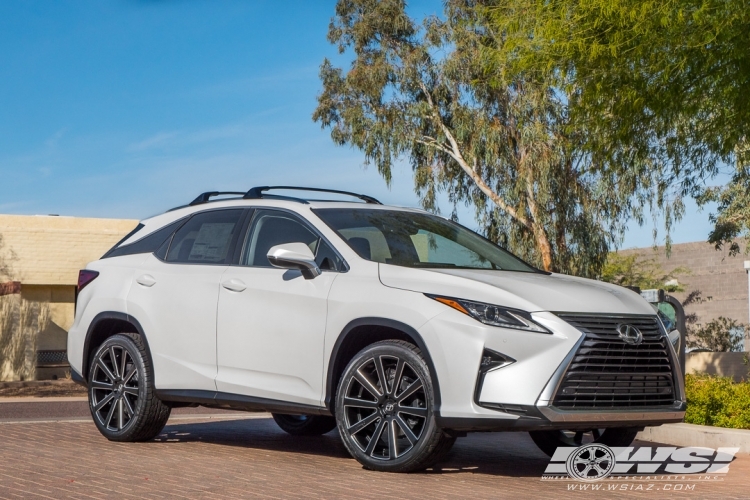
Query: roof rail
[(206, 197), (258, 192)]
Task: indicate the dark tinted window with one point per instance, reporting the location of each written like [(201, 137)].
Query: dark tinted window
[(127, 236), (414, 239), (206, 238), (271, 228), (147, 244)]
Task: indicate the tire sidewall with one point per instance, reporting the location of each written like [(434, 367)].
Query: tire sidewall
[(419, 365), (127, 343)]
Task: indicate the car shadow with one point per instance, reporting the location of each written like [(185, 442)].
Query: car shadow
[(510, 454)]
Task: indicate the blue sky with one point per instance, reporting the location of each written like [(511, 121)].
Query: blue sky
[(127, 108)]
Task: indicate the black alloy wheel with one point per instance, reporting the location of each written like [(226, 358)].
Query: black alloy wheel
[(121, 392), (384, 409)]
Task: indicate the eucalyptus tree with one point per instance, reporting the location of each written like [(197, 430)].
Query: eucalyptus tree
[(420, 92), (661, 82)]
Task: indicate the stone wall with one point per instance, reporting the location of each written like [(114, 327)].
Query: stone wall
[(720, 277)]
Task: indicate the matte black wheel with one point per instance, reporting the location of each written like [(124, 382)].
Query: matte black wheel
[(305, 425), (549, 441), (385, 409), (121, 391)]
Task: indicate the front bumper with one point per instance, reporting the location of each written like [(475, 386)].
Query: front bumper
[(521, 395)]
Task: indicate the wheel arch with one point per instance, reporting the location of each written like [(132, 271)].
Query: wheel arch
[(104, 325), (360, 333)]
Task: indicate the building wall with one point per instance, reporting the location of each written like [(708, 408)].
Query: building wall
[(45, 254), (720, 277)]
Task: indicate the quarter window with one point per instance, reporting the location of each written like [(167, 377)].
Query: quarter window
[(206, 238)]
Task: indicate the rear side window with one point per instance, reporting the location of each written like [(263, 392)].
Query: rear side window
[(147, 244), (206, 238)]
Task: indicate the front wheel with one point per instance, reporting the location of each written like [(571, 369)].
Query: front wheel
[(549, 441), (121, 391), (385, 409)]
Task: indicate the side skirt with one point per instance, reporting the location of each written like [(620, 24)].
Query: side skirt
[(228, 401)]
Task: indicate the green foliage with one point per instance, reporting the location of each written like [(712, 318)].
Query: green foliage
[(717, 401), (421, 93), (643, 272), (718, 335), (662, 84), (732, 219)]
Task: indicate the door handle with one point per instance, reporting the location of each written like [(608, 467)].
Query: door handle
[(234, 285), (146, 280)]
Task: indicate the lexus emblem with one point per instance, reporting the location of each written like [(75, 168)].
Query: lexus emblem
[(630, 334)]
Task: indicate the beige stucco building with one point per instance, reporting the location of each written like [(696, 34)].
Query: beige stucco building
[(45, 253)]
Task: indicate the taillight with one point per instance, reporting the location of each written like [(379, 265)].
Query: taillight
[(86, 276)]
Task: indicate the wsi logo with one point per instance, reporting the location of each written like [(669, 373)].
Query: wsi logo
[(595, 462)]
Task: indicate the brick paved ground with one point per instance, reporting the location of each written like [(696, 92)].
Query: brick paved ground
[(251, 457)]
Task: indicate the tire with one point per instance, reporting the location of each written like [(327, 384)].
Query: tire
[(304, 425), (387, 387), (122, 398), (549, 441)]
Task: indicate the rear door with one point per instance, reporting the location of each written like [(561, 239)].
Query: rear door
[(175, 295)]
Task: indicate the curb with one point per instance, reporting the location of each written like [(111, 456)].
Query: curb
[(697, 435), (41, 399)]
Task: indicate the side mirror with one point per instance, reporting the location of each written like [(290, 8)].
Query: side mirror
[(294, 256)]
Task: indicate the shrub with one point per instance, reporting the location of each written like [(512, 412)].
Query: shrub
[(717, 401), (20, 323)]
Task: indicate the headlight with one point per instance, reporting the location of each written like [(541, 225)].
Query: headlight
[(492, 315)]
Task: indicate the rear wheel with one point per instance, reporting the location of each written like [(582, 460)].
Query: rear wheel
[(122, 399), (385, 409), (305, 425), (549, 441)]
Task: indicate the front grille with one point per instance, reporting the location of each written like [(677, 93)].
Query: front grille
[(606, 372)]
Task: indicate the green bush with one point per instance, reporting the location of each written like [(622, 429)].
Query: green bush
[(717, 401)]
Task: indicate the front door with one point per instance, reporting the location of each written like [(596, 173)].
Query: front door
[(271, 322), (175, 297)]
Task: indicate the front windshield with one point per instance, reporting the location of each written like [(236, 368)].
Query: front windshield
[(413, 239)]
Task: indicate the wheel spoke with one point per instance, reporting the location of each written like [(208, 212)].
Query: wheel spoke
[(381, 375), (95, 384), (113, 357), (392, 445), (123, 361), (129, 375), (397, 375), (120, 414), (110, 414), (358, 426), (406, 430), (578, 438), (133, 391), (362, 379), (360, 403), (128, 407), (106, 399), (375, 437), (414, 387), (413, 410), (106, 370)]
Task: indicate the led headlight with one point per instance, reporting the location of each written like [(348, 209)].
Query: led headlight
[(493, 315)]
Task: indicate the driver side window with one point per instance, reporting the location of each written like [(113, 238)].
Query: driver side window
[(271, 227)]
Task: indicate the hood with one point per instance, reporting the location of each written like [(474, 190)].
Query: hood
[(530, 292)]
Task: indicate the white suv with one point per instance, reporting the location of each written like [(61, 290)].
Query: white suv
[(403, 329)]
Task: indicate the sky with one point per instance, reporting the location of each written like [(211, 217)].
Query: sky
[(126, 108)]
